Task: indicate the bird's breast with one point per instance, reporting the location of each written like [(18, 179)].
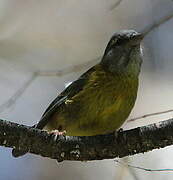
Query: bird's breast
[(104, 104)]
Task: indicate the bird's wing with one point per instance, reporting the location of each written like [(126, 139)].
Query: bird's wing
[(73, 89)]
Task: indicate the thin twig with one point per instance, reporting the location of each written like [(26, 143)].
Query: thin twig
[(142, 168), (151, 114), (155, 25), (68, 70), (115, 5), (12, 100)]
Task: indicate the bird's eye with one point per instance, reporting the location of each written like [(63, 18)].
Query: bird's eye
[(113, 42)]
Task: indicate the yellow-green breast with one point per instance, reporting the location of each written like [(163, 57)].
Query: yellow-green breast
[(101, 107)]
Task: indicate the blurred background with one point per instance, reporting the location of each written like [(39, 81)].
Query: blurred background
[(44, 45)]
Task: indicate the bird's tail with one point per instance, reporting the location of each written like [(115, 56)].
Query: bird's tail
[(17, 153)]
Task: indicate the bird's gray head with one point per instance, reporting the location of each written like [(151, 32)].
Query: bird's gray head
[(123, 52)]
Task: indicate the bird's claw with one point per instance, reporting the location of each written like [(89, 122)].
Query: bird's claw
[(57, 133), (116, 133)]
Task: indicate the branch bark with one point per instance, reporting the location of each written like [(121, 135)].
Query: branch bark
[(124, 143)]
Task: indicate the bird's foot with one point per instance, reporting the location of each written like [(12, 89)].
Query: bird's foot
[(117, 133), (57, 133)]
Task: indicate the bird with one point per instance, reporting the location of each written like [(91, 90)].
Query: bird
[(101, 99)]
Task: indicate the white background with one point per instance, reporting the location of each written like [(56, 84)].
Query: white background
[(48, 36)]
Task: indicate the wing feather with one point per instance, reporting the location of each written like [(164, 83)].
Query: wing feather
[(73, 89)]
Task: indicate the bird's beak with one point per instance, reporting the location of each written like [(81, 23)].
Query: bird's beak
[(136, 39)]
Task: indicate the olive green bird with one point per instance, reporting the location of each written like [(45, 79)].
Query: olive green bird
[(103, 97)]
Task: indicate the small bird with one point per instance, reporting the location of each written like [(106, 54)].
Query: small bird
[(101, 99)]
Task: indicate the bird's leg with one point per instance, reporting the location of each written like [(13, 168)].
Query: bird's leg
[(117, 132)]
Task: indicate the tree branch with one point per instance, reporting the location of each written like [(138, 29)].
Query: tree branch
[(124, 143)]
